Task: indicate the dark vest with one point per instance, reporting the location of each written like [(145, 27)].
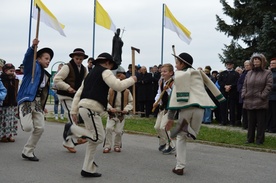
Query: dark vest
[(164, 97), (94, 86), (124, 98), (11, 84), (74, 78)]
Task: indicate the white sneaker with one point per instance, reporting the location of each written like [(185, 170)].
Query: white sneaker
[(56, 117), (62, 117)]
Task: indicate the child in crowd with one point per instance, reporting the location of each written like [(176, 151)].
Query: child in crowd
[(9, 109), (166, 145), (3, 93)]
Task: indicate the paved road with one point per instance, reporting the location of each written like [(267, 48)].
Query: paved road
[(139, 162)]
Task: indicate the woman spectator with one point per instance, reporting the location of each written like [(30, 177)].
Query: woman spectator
[(255, 92), (247, 67)]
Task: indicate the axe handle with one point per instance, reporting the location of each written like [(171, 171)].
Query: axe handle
[(133, 86)]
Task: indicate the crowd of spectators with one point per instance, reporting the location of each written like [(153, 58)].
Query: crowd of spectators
[(229, 81)]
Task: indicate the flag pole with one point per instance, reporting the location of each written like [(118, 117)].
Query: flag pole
[(36, 36), (30, 24), (162, 39), (94, 20)]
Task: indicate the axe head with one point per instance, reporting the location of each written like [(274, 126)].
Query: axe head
[(135, 49)]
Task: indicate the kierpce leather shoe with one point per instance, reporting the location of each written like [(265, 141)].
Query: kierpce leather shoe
[(30, 158), (70, 149), (67, 131), (178, 171), (87, 174)]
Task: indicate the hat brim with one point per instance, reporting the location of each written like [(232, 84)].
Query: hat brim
[(45, 50), (182, 60), (115, 66), (80, 54)]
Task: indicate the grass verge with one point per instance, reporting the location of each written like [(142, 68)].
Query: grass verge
[(207, 134)]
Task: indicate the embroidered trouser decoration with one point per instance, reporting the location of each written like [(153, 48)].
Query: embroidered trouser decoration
[(91, 123)]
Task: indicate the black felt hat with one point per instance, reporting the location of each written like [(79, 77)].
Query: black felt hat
[(106, 56), (78, 51), (45, 50), (186, 58)]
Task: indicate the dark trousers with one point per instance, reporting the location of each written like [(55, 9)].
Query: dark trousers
[(238, 113), (271, 126), (244, 119), (224, 106), (256, 119), (145, 107)]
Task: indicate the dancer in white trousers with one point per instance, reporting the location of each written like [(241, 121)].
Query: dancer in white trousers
[(119, 104), (89, 102), (189, 97), (32, 96)]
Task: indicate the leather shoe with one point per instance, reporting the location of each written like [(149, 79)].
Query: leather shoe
[(117, 149), (10, 139), (106, 150), (81, 141), (67, 131), (30, 158), (87, 174), (70, 149), (178, 171), (4, 139)]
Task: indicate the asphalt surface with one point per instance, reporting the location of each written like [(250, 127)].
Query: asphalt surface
[(139, 162)]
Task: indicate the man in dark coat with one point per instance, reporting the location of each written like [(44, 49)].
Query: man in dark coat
[(228, 87), (145, 94)]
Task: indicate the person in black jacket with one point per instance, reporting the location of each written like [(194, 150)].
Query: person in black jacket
[(272, 100), (145, 94), (228, 87)]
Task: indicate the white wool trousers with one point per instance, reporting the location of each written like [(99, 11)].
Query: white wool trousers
[(66, 104), (116, 126), (163, 134), (94, 133), (31, 119), (194, 116)]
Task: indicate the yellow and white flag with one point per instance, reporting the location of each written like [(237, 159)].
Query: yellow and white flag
[(47, 17), (171, 23), (102, 18)]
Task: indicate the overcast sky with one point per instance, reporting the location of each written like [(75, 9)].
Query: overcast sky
[(142, 20)]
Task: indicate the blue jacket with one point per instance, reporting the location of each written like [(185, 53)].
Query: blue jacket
[(3, 92), (28, 90)]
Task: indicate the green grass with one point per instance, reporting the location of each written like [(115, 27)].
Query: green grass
[(207, 134)]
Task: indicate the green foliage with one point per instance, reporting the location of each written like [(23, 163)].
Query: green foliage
[(253, 23)]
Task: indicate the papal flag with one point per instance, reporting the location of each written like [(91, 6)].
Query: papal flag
[(171, 23), (47, 17), (103, 19)]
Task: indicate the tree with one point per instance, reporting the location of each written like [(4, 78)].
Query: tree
[(253, 23)]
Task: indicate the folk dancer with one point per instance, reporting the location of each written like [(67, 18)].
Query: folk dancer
[(89, 102), (32, 97), (166, 145), (190, 98), (119, 104)]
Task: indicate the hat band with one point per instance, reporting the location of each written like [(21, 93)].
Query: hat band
[(78, 52), (102, 58)]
